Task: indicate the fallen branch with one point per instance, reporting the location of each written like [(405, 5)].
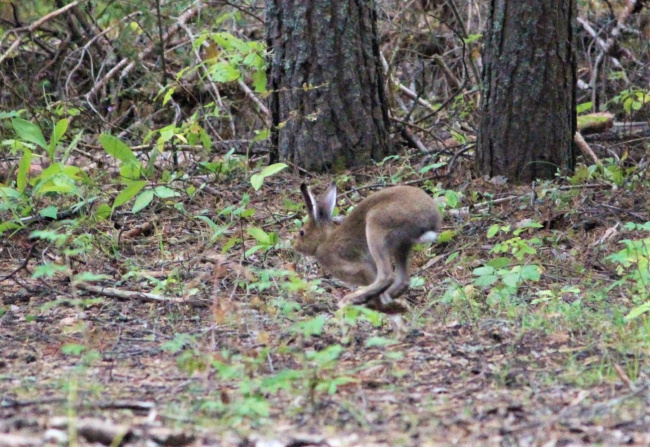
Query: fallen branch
[(112, 292), (579, 140)]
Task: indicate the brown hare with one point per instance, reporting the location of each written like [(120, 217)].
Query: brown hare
[(361, 250)]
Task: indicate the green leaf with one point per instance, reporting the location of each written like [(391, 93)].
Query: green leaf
[(446, 236), (128, 193), (90, 277), (28, 131), (486, 280), (103, 212), (168, 95), (452, 198), (115, 147), (73, 349), (451, 257), (379, 342), (50, 211), (47, 270), (260, 235), (485, 270), (638, 311), (499, 263), (259, 81), (23, 170), (57, 133), (222, 71), (512, 279), (530, 272), (493, 230), (258, 179), (8, 192), (254, 60), (165, 192), (310, 327), (143, 201), (428, 168)]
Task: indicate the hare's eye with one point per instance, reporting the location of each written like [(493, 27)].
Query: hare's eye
[(301, 233)]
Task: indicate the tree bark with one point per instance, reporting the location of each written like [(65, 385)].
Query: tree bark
[(528, 104), (327, 99)]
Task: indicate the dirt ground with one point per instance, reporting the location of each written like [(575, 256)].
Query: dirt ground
[(82, 368)]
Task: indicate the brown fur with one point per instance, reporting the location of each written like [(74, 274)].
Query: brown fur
[(379, 231)]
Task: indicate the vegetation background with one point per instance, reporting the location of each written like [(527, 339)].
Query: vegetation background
[(149, 293)]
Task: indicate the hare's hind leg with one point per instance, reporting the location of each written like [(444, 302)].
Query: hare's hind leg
[(387, 302), (381, 255)]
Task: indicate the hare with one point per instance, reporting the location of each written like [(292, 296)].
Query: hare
[(379, 231)]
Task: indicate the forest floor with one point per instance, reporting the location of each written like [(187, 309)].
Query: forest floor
[(252, 351)]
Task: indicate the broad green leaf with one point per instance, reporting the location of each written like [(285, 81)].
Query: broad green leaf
[(103, 212), (259, 81), (23, 170), (222, 71), (28, 131), (115, 147), (499, 263), (512, 279), (493, 230), (258, 179), (165, 192), (142, 201), (50, 212), (486, 280), (452, 198), (8, 192), (254, 60), (530, 272), (128, 193), (260, 235), (485, 270)]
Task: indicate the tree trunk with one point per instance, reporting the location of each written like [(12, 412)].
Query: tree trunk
[(327, 98), (528, 103)]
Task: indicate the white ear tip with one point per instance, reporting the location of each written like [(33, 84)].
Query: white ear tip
[(429, 236)]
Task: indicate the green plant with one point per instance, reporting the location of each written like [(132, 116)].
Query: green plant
[(27, 194), (633, 263), (632, 99), (509, 273)]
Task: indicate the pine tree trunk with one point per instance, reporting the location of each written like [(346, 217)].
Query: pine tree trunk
[(529, 77), (327, 96)]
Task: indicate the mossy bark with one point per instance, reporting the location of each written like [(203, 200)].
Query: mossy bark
[(327, 98), (528, 104)]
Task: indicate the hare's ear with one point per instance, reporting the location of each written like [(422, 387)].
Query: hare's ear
[(310, 201), (327, 202)]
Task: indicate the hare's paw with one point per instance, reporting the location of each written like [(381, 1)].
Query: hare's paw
[(393, 307), (384, 303), (351, 299)]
